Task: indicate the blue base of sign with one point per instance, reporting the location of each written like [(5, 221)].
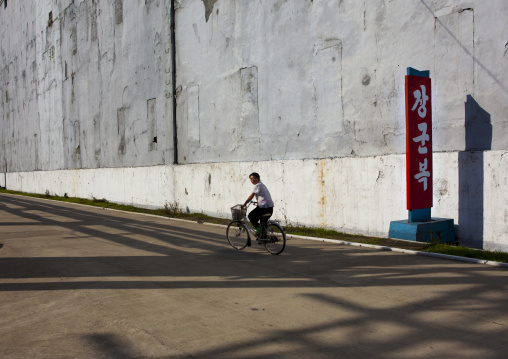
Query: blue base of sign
[(437, 229), (419, 215)]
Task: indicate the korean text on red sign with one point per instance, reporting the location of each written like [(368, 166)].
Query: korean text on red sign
[(418, 142)]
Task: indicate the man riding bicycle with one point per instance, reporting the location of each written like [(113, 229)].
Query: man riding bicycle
[(264, 199)]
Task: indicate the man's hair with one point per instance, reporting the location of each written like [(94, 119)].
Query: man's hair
[(255, 174)]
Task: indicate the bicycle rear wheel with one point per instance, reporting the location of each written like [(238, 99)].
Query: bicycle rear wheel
[(276, 238), (237, 235)]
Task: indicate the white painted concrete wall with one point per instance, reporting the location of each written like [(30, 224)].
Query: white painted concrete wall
[(359, 195), (90, 89), (317, 79), (308, 93)]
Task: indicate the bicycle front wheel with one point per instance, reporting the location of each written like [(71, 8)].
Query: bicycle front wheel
[(237, 235), (276, 238)]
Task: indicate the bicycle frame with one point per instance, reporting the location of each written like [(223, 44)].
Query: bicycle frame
[(263, 222)]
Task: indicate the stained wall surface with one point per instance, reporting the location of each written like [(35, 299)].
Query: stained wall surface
[(85, 84), (308, 92), (318, 79)]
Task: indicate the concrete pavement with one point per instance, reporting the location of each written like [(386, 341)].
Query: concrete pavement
[(83, 282)]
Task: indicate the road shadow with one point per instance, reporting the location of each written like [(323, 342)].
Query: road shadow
[(133, 252)]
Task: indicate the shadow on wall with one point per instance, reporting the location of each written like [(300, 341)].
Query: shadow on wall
[(471, 171)]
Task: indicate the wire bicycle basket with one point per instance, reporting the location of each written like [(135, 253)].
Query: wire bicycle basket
[(238, 212)]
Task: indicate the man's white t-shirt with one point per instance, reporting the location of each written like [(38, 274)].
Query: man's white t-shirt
[(262, 195)]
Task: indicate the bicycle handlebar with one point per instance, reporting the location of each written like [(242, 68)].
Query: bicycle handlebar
[(251, 202)]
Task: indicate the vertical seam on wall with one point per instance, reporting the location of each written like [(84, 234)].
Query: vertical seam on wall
[(473, 56), (173, 79), (364, 17), (341, 84)]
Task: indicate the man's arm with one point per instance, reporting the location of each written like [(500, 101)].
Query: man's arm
[(249, 199)]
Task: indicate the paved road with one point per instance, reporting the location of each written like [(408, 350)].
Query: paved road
[(81, 282)]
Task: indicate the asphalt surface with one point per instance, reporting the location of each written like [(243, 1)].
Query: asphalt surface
[(84, 282)]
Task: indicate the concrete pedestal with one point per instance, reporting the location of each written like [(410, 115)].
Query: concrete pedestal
[(438, 229)]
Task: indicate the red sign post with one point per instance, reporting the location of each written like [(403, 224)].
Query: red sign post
[(418, 142), (420, 226)]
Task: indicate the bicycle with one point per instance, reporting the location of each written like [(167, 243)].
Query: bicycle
[(240, 230)]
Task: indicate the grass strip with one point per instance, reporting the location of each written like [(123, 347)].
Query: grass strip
[(460, 251), (172, 211)]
